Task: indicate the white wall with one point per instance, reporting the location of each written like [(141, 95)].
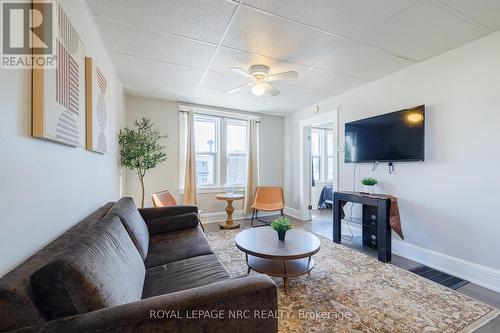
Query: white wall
[(164, 115), (46, 187), (448, 203)]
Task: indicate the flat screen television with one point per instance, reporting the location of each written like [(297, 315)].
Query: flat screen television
[(392, 137)]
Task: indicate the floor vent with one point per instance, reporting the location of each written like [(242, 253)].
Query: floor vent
[(434, 275)]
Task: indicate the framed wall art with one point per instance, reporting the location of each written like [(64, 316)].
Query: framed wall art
[(58, 95), (97, 108)]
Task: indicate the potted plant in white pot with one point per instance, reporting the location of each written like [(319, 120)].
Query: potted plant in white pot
[(369, 184)]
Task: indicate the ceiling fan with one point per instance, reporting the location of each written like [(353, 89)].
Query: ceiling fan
[(259, 79)]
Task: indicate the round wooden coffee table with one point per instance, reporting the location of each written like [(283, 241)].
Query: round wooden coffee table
[(268, 255)]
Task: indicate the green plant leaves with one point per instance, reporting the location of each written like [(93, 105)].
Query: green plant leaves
[(143, 148), (281, 224), (369, 181)]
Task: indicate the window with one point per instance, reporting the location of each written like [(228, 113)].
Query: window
[(221, 151), (316, 149), (329, 149), (206, 146), (236, 160), (322, 154)]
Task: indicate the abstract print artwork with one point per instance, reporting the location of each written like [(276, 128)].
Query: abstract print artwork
[(97, 101), (59, 94)]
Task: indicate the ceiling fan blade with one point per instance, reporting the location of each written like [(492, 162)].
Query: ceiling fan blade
[(270, 89), (242, 72), (240, 87), (282, 76)]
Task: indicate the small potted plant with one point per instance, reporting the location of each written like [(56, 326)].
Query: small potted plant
[(369, 184), (281, 225)]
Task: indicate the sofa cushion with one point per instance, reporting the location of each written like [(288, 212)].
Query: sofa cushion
[(176, 245), (133, 222), (102, 268), (184, 274), (16, 303)]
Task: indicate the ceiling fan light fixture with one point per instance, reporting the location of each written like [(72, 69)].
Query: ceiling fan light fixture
[(258, 89), (258, 78)]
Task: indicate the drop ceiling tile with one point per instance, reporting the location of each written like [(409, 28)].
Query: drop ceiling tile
[(351, 18), (365, 62), (156, 88), (271, 36), (299, 94), (201, 19), (334, 83), (238, 104), (129, 65), (221, 81), (145, 43), (486, 12), (423, 31), (217, 94), (130, 11)]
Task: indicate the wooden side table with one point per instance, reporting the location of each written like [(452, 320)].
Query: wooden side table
[(229, 209)]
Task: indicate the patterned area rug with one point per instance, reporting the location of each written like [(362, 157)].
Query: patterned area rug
[(351, 292)]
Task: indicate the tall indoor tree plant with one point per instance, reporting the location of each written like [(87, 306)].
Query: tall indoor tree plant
[(141, 149)]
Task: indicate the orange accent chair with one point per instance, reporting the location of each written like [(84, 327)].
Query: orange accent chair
[(166, 199), (267, 199), (163, 199)]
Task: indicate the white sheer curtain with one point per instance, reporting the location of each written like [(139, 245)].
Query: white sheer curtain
[(252, 166), (190, 175)]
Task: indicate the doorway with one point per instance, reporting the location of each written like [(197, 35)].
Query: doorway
[(319, 168), (323, 169)]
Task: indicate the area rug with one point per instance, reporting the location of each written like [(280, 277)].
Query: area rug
[(349, 291)]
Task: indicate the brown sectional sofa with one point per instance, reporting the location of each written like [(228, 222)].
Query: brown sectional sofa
[(127, 270)]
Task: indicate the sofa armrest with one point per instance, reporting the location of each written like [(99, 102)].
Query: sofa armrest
[(234, 305), (165, 219), (172, 223), (152, 213)]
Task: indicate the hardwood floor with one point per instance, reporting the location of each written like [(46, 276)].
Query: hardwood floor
[(322, 224)]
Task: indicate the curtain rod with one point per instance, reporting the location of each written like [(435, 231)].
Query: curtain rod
[(223, 117)]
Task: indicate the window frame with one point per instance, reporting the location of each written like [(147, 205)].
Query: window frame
[(215, 153), (328, 155), (221, 152), (324, 155), (318, 156), (236, 122)]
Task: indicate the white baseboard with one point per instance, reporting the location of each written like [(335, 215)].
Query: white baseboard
[(295, 213), (237, 215), (478, 274)]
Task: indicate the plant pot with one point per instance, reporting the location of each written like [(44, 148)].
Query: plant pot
[(281, 235), (369, 188)]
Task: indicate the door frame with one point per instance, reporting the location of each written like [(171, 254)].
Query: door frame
[(305, 157)]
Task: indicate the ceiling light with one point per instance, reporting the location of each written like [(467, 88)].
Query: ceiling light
[(258, 89)]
